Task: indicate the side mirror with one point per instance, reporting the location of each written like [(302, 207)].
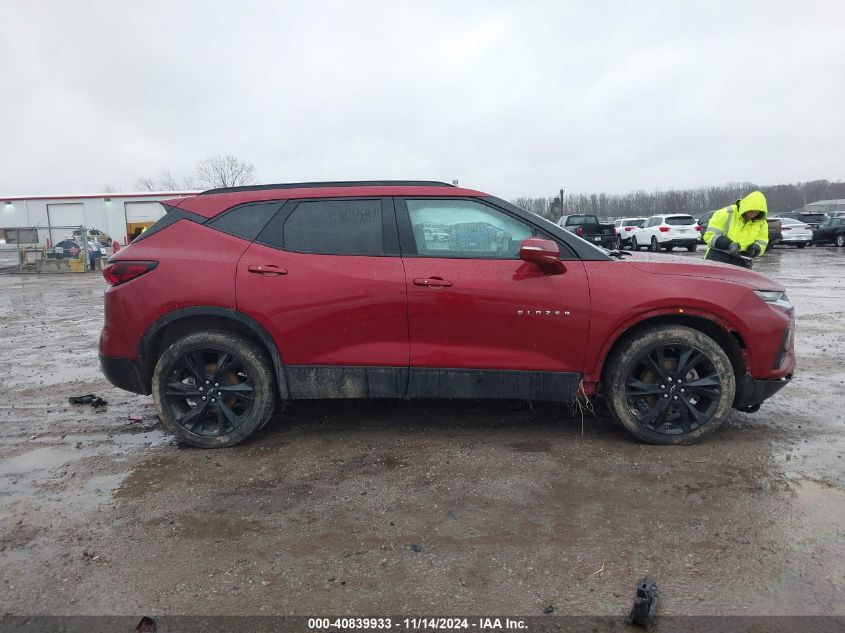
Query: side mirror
[(545, 253)]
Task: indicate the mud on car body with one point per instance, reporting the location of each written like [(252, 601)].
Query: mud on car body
[(241, 299)]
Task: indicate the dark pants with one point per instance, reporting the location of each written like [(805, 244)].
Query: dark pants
[(717, 255)]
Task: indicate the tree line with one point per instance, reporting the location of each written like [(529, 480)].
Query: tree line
[(696, 202)]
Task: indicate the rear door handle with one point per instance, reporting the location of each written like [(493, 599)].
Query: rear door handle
[(432, 282), (267, 269)]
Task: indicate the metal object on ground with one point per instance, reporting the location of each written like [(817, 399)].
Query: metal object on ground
[(645, 603)]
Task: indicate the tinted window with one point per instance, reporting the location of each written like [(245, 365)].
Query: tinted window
[(680, 220), (336, 227), (463, 228), (245, 221), (813, 217), (637, 223), (582, 220)]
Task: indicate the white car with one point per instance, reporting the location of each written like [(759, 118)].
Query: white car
[(795, 232), (625, 228), (667, 231)]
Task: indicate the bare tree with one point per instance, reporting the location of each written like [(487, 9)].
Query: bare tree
[(225, 171), (145, 184)]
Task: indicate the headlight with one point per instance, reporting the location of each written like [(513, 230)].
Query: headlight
[(778, 297)]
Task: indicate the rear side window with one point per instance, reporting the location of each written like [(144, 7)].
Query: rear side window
[(336, 227), (680, 220), (245, 221), (637, 223)]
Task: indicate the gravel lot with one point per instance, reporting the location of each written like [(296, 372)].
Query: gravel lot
[(412, 508)]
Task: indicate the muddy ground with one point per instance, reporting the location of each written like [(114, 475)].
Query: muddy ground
[(513, 508)]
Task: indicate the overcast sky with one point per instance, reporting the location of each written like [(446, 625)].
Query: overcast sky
[(509, 97)]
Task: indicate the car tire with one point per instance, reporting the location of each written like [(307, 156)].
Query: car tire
[(692, 248), (802, 244), (839, 240), (655, 245), (634, 244), (213, 359), (669, 248), (617, 245), (643, 392)]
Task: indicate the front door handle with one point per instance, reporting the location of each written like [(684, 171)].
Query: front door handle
[(432, 282), (267, 269)]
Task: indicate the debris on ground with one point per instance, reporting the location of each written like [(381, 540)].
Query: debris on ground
[(416, 548), (549, 609), (146, 625), (645, 603), (136, 418), (90, 398)]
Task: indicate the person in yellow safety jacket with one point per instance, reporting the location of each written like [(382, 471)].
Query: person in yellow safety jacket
[(739, 229)]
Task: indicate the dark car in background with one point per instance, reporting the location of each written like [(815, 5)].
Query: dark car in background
[(775, 234), (587, 226), (831, 231)]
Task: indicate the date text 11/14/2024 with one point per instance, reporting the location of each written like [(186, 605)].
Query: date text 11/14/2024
[(419, 623)]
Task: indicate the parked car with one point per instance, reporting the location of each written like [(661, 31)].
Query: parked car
[(811, 218), (667, 231), (836, 214), (588, 226), (95, 235), (830, 231), (243, 298), (795, 233), (624, 229), (775, 234)]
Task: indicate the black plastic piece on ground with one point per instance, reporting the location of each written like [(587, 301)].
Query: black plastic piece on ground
[(146, 625), (94, 401), (645, 603), (751, 392)]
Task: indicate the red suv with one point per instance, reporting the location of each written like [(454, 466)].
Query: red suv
[(241, 299)]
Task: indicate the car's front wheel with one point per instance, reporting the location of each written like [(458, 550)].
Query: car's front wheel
[(655, 245), (670, 385), (839, 240), (802, 245), (634, 245), (213, 389)]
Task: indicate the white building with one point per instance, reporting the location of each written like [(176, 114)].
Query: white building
[(119, 215)]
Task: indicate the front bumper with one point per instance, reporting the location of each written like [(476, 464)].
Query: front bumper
[(125, 373), (752, 392)]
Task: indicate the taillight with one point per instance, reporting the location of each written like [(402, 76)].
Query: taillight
[(785, 228), (697, 227), (664, 229), (579, 231), (614, 230), (121, 272), (629, 228)]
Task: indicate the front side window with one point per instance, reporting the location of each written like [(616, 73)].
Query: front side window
[(465, 229), (335, 227)]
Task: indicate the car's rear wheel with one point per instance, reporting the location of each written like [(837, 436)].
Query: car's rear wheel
[(802, 244), (839, 240), (692, 248), (618, 244), (213, 389), (670, 385), (634, 245), (655, 245)]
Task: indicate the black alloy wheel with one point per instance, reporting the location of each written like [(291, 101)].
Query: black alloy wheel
[(669, 384), (214, 389)]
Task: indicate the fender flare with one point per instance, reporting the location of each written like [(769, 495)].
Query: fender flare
[(254, 326), (595, 371)]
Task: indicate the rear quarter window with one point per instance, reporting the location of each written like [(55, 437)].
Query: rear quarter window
[(245, 221)]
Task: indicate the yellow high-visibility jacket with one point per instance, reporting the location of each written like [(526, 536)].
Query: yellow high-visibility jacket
[(729, 222)]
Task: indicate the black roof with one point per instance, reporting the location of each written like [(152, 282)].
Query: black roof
[(342, 183)]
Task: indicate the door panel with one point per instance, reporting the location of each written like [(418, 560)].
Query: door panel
[(327, 309), (497, 314)]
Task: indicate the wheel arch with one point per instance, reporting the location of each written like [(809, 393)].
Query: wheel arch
[(174, 324), (728, 338)]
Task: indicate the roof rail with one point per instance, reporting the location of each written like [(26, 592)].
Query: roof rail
[(343, 183)]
